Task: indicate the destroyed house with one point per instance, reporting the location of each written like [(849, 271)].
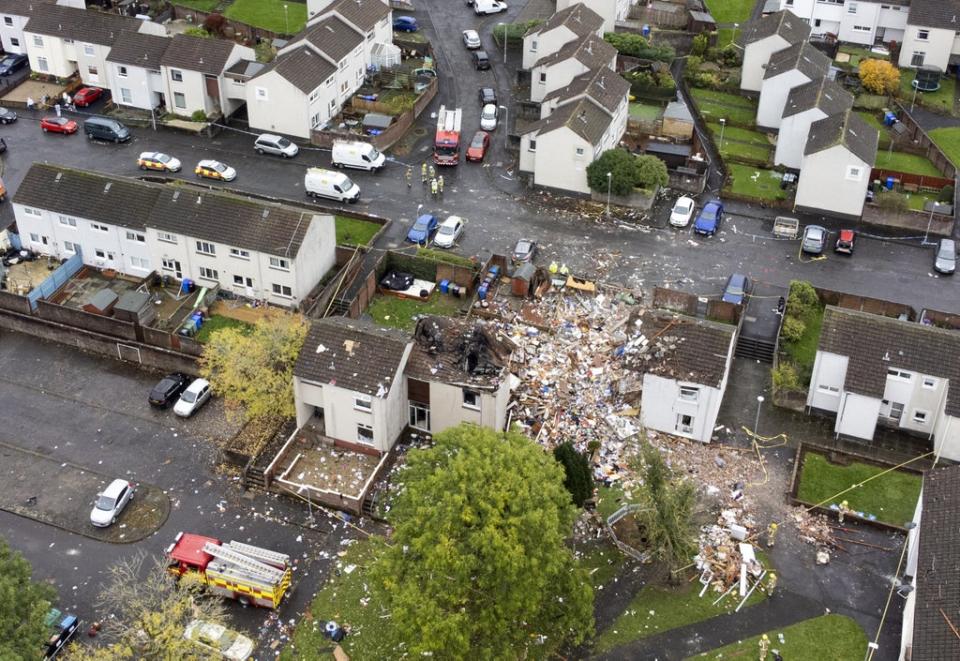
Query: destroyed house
[(457, 372), (684, 364)]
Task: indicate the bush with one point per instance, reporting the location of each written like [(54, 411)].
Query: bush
[(792, 329), (700, 44), (893, 201), (706, 80), (579, 478), (785, 377), (946, 194), (637, 46), (198, 116), (693, 64), (731, 56), (802, 299), (651, 172), (197, 32), (879, 76), (621, 164), (515, 31)]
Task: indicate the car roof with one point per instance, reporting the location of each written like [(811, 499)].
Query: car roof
[(471, 32), (452, 220), (815, 228), (197, 385), (424, 217), (737, 278), (846, 235), (268, 136), (114, 488), (209, 162), (713, 203)]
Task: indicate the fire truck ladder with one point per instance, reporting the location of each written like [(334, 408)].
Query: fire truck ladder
[(279, 560), (255, 567)]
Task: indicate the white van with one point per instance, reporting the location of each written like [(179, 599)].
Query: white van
[(488, 7), (359, 155), (318, 182)]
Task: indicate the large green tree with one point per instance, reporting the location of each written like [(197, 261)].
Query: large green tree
[(623, 169), (578, 477), (23, 606), (477, 566), (253, 370)]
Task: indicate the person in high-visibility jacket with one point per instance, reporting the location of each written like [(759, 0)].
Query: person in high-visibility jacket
[(564, 270), (553, 268)]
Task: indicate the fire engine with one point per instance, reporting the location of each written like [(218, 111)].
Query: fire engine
[(249, 574), (446, 146)]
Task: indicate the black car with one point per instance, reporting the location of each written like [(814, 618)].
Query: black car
[(488, 95), (7, 116), (481, 60), (169, 389), (12, 62)]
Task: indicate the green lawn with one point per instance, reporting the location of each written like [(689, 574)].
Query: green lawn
[(602, 562), (645, 111), (724, 98), (803, 352), (909, 163), (401, 313), (948, 139), (824, 638), (916, 200), (874, 121), (737, 110), (733, 150), (354, 231), (275, 15), (940, 101), (216, 322), (201, 5), (731, 11), (857, 54), (739, 134), (891, 498), (754, 182), (741, 143), (658, 608), (725, 36)]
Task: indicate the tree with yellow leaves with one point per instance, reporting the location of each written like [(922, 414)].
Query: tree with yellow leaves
[(879, 76)]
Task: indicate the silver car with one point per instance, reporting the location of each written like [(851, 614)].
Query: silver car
[(946, 260), (471, 39), (111, 502), (488, 117), (814, 239), (276, 145)]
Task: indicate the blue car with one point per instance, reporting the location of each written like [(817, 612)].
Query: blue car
[(423, 229), (708, 222), (738, 286), (405, 24)]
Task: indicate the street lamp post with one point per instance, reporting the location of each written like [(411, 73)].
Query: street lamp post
[(504, 42), (733, 37), (286, 23), (926, 235), (756, 421), (609, 182), (723, 125), (916, 88), (506, 127)]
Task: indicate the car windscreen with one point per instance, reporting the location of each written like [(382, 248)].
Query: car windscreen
[(709, 213), (477, 141), (283, 142), (735, 288), (523, 247), (421, 224), (189, 397), (946, 251), (347, 184), (106, 503), (682, 206), (163, 158), (165, 386), (447, 230)]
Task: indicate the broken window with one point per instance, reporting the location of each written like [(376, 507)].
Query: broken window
[(419, 416), (689, 393), (365, 434), (471, 399), (685, 423)]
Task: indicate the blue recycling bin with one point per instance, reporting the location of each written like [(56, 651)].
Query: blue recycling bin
[(186, 286), (645, 30), (482, 292), (889, 183), (444, 286)]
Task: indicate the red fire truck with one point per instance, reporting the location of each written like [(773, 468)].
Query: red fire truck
[(446, 146)]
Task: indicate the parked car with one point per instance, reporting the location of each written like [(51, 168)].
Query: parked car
[(61, 629), (471, 39), (58, 125), (220, 640), (318, 182), (193, 398), (488, 117), (450, 230), (525, 250), (484, 7), (106, 128), (157, 160), (12, 63), (169, 389), (736, 289), (481, 60), (3, 150), (276, 145), (397, 281), (682, 211), (487, 95), (7, 116), (86, 95), (845, 242), (110, 503), (215, 170), (423, 229), (478, 146), (945, 261), (405, 24), (814, 239), (709, 219)]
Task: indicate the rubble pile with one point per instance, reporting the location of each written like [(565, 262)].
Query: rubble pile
[(724, 562), (812, 528)]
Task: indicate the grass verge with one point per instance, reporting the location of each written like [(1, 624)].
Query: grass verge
[(354, 231), (730, 11), (273, 15), (216, 322), (804, 351), (948, 140), (199, 5), (909, 163), (403, 313), (805, 641), (892, 498), (754, 182), (439, 255)]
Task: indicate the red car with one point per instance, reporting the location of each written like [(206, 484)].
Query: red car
[(478, 146), (58, 125), (87, 95), (845, 242)]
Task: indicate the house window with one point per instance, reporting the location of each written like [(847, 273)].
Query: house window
[(471, 399), (38, 40), (543, 78), (852, 8), (179, 100), (140, 263), (689, 393), (282, 290), (363, 403), (241, 281), (920, 416), (861, 28), (125, 95), (333, 104), (136, 236), (14, 42), (88, 50), (829, 390), (67, 220), (32, 212), (816, 22), (122, 72), (169, 265), (69, 246), (167, 236), (929, 382), (239, 254), (205, 248), (533, 45), (899, 374), (177, 75), (684, 423), (420, 416), (579, 151), (896, 409), (8, 20), (35, 237), (262, 94), (209, 274), (92, 70), (923, 35), (789, 3), (854, 172), (102, 254), (43, 64), (365, 434), (99, 227), (917, 59), (280, 263), (533, 146), (315, 121)]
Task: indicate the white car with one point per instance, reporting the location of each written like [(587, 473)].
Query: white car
[(682, 211), (111, 502), (488, 117), (471, 39), (191, 399), (450, 230), (224, 642)]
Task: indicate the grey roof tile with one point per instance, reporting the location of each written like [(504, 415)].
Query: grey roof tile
[(935, 14), (457, 352), (331, 36), (847, 129), (365, 14), (578, 18), (352, 355), (198, 54), (591, 51), (784, 23), (584, 117), (85, 25), (138, 49), (823, 93), (803, 57), (303, 68), (603, 85), (875, 343)]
